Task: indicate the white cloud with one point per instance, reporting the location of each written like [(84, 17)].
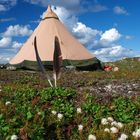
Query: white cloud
[(17, 30), (5, 42), (2, 8), (75, 6), (92, 38), (7, 4), (85, 34), (113, 53), (35, 21), (7, 19), (128, 37), (14, 31), (110, 35), (66, 17), (4, 58), (16, 45), (98, 8), (120, 10), (13, 2), (8, 45), (64, 3)]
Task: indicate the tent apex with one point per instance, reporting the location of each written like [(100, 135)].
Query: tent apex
[(50, 14), (49, 8)]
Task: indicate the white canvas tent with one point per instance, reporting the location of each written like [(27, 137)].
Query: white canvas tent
[(73, 52)]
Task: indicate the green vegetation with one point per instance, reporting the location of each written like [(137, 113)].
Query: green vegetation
[(90, 103), (28, 113)]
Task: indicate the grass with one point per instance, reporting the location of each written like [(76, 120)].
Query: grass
[(26, 104)]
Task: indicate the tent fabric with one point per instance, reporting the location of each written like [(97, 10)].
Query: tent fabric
[(48, 64), (73, 52), (49, 14)]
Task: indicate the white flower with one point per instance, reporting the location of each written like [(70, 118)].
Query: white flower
[(114, 123), (80, 127), (0, 90), (123, 137), (39, 113), (114, 130), (54, 112), (60, 116), (119, 125), (136, 133), (79, 110), (104, 121), (116, 69), (110, 119), (14, 137), (7, 103), (106, 130), (91, 137)]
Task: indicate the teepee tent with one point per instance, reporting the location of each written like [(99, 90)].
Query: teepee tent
[(73, 53)]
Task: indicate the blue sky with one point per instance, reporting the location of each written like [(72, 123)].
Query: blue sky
[(108, 28)]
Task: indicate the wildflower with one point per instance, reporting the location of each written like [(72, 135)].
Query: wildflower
[(7, 103), (0, 90), (110, 119), (80, 127), (60, 116), (111, 107), (114, 123), (54, 112), (39, 113), (91, 137), (119, 125), (14, 137), (123, 137), (79, 110), (136, 133), (104, 121), (116, 69), (114, 130), (106, 130)]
